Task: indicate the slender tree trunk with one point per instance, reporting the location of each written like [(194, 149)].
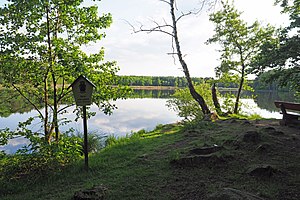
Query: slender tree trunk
[(54, 80), (236, 106), (215, 100), (55, 108), (193, 92), (46, 129), (50, 69)]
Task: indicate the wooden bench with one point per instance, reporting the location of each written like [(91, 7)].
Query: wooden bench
[(288, 117)]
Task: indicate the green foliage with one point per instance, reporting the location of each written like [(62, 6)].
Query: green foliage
[(239, 41), (40, 158), (186, 107), (158, 81), (12, 102), (41, 55), (273, 80), (228, 79), (282, 53), (227, 102), (227, 99), (95, 141), (184, 104)]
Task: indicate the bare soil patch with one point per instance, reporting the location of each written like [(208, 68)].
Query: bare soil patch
[(257, 158)]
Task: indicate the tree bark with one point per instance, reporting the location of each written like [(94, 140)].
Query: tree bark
[(215, 100), (55, 108), (46, 128), (191, 87), (236, 106), (50, 66)]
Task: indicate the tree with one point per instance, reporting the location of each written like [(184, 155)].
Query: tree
[(41, 55), (240, 43), (171, 29), (282, 54)]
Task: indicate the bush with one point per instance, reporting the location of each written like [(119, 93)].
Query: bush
[(39, 158), (184, 104), (187, 108)]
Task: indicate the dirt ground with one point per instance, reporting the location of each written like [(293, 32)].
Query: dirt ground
[(257, 158)]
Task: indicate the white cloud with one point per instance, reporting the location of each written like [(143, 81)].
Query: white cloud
[(146, 54)]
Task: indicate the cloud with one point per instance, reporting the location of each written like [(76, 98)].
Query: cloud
[(146, 54)]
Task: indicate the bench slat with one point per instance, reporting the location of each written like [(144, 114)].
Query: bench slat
[(288, 105)]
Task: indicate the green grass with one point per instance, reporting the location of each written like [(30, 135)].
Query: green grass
[(138, 166), (130, 167)]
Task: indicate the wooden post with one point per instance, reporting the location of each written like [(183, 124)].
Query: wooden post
[(82, 89), (86, 152)]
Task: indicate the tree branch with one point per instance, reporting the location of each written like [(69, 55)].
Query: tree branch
[(27, 99), (167, 2), (184, 15), (64, 108), (157, 28)]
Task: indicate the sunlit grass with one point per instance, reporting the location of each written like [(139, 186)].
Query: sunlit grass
[(137, 166)]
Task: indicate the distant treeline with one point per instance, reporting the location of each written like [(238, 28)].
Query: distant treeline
[(158, 81), (172, 81)]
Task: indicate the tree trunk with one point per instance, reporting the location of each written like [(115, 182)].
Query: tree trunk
[(55, 108), (46, 131), (54, 124), (215, 100), (236, 106), (193, 92)]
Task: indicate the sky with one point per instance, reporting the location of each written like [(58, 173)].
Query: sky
[(147, 53)]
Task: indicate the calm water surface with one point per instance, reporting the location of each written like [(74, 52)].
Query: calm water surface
[(133, 115)]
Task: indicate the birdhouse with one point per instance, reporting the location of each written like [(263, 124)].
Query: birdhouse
[(82, 89)]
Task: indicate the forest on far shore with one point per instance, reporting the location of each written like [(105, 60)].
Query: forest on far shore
[(172, 81)]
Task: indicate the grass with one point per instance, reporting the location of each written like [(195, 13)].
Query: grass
[(120, 167), (138, 166)]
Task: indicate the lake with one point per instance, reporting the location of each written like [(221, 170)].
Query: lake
[(134, 114)]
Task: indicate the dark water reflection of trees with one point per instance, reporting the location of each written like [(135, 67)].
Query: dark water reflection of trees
[(11, 102), (161, 94), (266, 100)]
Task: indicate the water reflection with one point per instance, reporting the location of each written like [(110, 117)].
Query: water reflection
[(251, 107), (265, 100), (135, 114), (131, 115), (161, 94)]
